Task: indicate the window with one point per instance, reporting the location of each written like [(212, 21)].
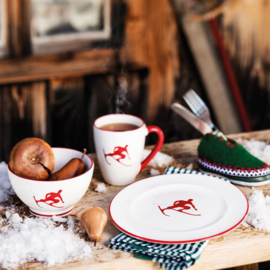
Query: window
[(61, 25)]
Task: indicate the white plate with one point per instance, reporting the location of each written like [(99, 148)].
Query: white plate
[(138, 210)]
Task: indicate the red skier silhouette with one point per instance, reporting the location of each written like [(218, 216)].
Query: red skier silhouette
[(51, 199), (118, 154), (184, 206)]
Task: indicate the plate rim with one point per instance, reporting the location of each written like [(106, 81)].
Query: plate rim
[(179, 241)]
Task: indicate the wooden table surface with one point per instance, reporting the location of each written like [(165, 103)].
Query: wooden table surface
[(239, 247)]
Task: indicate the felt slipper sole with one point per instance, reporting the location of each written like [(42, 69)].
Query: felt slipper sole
[(252, 181)]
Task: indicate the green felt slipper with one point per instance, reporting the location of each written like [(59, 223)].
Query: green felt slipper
[(231, 160)]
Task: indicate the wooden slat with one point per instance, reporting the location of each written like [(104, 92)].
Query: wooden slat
[(4, 28), (47, 67), (212, 76), (39, 104), (19, 27), (5, 123), (69, 117)]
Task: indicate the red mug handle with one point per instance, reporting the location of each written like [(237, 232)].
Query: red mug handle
[(159, 143)]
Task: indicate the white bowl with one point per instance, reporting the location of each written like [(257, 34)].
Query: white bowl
[(49, 198)]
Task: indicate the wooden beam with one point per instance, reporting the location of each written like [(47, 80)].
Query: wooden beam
[(48, 67)]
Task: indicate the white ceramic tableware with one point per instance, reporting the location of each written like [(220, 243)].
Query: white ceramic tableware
[(178, 208), (48, 198), (119, 153)]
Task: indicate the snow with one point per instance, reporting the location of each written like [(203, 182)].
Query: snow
[(36, 239), (15, 218), (159, 160), (40, 239), (5, 187), (101, 188), (189, 167), (154, 172), (59, 219), (259, 211), (70, 223)]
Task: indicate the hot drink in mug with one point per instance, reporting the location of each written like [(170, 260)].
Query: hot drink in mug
[(119, 142)]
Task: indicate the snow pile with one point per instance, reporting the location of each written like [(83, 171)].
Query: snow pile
[(40, 239), (259, 211), (5, 187), (60, 219), (159, 159), (259, 149), (189, 167), (101, 188), (154, 172), (259, 205)]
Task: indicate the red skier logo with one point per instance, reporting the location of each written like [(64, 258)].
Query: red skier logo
[(51, 199), (119, 154), (180, 206)]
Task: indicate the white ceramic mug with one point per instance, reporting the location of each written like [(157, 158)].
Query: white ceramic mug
[(119, 153)]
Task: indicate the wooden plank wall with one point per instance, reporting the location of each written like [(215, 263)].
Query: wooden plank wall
[(54, 97), (146, 49)]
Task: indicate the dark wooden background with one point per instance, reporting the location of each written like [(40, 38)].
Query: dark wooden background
[(57, 98)]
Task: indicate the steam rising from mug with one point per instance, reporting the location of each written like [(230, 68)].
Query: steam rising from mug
[(121, 94)]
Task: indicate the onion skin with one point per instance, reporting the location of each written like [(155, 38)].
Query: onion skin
[(32, 158), (94, 220)]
